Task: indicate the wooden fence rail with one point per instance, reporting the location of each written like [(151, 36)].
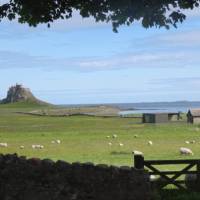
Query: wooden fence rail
[(169, 177)]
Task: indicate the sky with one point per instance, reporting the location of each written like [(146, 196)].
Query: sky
[(82, 62)]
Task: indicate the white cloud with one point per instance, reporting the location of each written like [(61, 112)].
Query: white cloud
[(184, 84), (186, 38), (89, 64), (118, 61), (139, 60)]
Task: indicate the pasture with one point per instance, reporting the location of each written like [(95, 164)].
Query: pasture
[(90, 139), (85, 138)]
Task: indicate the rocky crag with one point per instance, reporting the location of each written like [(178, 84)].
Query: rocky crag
[(18, 93)]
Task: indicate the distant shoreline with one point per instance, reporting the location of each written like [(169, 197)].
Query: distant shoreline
[(134, 103), (147, 107)]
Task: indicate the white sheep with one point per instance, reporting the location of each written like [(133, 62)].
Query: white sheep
[(187, 142), (108, 136), (53, 142), (185, 151), (150, 143), (114, 136), (58, 141), (152, 177), (3, 144), (37, 146), (110, 143), (121, 144), (21, 147)]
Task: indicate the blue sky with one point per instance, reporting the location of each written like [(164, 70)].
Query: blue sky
[(79, 61)]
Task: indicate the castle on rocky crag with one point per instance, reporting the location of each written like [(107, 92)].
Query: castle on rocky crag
[(18, 93)]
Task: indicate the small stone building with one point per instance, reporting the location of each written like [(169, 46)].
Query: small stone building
[(160, 117), (155, 118), (193, 116)]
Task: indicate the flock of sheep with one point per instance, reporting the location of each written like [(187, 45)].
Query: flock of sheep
[(114, 136), (182, 150), (34, 146)]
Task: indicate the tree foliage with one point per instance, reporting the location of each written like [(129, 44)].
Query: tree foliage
[(159, 13)]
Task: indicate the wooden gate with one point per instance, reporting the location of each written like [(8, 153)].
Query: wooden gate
[(169, 177)]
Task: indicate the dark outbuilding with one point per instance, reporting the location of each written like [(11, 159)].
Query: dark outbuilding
[(155, 117), (160, 117), (193, 116)]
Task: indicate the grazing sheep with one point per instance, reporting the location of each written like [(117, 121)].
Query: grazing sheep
[(114, 136), (121, 145), (150, 143), (55, 142), (152, 178), (108, 136), (3, 144), (156, 181), (37, 146), (58, 141), (193, 141), (137, 152), (185, 151), (21, 147), (110, 144), (187, 142)]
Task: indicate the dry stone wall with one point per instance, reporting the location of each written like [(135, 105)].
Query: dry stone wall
[(35, 179)]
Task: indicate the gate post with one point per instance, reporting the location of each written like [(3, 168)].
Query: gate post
[(139, 161), (198, 174)]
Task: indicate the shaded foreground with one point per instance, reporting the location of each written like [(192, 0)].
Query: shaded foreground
[(171, 194), (44, 179)]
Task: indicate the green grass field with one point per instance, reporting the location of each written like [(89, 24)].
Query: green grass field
[(84, 139)]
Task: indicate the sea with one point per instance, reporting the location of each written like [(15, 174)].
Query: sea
[(149, 107), (158, 107)]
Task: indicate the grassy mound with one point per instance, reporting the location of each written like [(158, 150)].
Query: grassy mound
[(25, 104)]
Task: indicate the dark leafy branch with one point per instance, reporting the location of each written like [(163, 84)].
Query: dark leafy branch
[(158, 13)]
